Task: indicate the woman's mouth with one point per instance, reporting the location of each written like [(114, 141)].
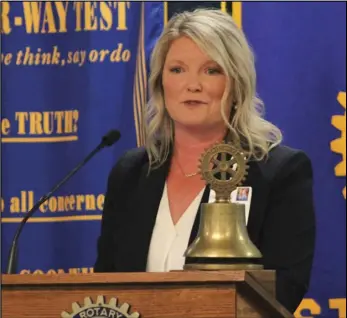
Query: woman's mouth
[(194, 102)]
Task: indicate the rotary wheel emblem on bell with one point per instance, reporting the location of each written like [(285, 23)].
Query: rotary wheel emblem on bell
[(224, 168)]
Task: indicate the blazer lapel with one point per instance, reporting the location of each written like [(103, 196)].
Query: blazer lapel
[(256, 180), (143, 212)]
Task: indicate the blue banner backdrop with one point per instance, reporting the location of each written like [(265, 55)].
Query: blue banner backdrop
[(72, 71), (301, 62)]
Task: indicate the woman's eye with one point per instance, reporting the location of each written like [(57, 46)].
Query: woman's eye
[(175, 70), (213, 71)]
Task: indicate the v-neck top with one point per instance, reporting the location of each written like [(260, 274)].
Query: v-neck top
[(169, 241)]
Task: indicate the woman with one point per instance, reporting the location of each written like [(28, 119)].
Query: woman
[(203, 90)]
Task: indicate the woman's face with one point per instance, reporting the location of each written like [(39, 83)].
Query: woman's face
[(193, 86)]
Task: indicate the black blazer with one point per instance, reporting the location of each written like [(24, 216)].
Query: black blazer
[(281, 220)]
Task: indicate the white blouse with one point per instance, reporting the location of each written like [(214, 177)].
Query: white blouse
[(169, 241)]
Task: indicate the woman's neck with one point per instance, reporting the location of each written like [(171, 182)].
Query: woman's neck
[(192, 142)]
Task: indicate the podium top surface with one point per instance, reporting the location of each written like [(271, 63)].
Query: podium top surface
[(132, 278)]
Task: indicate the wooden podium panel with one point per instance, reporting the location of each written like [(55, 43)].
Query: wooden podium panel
[(180, 294)]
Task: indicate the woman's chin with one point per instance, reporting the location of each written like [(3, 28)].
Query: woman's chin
[(196, 124)]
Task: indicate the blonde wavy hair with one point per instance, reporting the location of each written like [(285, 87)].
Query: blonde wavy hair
[(223, 41)]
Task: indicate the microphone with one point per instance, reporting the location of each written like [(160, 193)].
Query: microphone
[(108, 140)]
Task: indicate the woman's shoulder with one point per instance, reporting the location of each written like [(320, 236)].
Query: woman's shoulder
[(129, 162), (283, 161), (133, 157)]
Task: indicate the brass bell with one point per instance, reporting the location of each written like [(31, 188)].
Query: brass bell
[(222, 242)]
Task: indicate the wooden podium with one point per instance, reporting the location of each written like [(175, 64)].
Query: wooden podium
[(181, 294)]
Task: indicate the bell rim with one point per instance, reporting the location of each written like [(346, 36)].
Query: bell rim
[(213, 267)]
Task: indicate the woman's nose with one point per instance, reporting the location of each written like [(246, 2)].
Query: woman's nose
[(194, 84)]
